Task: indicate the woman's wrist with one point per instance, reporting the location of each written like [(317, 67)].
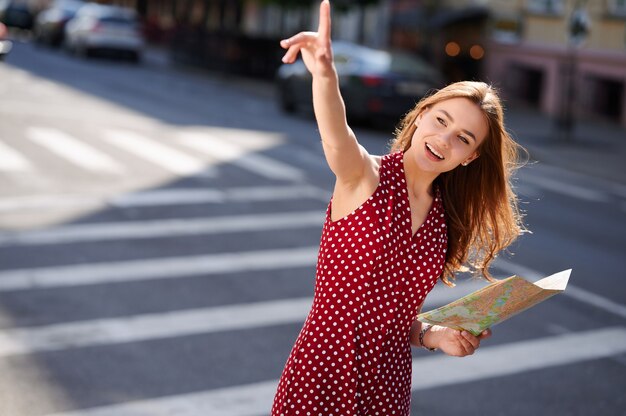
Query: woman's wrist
[(430, 339), (424, 330)]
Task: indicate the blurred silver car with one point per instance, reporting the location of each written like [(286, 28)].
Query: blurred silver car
[(375, 84), (104, 29), (50, 23)]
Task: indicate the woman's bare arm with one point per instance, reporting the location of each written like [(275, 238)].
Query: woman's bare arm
[(346, 158)]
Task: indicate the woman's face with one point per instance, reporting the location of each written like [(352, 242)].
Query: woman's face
[(448, 134)]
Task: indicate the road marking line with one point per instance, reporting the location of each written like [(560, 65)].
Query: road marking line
[(159, 268), (152, 326), (518, 357), (430, 372), (154, 152), (598, 301), (163, 197), (198, 196), (597, 182), (169, 324), (224, 150), (74, 151), (247, 400), (567, 189), (40, 202), (164, 228), (11, 160), (572, 291)]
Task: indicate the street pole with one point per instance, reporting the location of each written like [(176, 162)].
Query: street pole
[(578, 29)]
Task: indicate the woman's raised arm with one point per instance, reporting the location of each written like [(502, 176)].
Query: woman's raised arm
[(346, 158)]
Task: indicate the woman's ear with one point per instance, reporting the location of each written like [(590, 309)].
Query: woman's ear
[(470, 159), (419, 117)]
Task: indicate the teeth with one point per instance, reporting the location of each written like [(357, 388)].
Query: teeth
[(436, 153)]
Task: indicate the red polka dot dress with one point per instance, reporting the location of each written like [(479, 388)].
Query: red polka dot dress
[(353, 356)]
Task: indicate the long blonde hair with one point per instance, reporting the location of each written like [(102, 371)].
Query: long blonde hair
[(481, 208)]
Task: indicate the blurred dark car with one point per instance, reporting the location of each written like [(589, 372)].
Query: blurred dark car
[(16, 14), (5, 43), (49, 27), (105, 30), (375, 84)]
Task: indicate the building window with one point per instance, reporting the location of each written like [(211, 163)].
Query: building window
[(617, 8), (549, 7), (506, 29)]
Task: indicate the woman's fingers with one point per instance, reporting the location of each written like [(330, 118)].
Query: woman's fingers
[(300, 38), (291, 54), (324, 26), (474, 341), (467, 344), (485, 334)]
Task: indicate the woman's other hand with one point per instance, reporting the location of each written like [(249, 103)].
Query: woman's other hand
[(315, 46), (459, 343)]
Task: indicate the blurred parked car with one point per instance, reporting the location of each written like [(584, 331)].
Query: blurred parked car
[(375, 84), (16, 14), (5, 43), (49, 27), (107, 30)]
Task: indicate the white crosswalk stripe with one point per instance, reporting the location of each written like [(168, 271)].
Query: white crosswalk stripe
[(129, 230), (161, 268), (74, 151), (497, 361), (182, 196), (567, 189), (153, 326), (179, 196), (226, 151), (12, 161), (166, 157)]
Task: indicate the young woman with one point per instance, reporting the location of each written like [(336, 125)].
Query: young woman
[(395, 225)]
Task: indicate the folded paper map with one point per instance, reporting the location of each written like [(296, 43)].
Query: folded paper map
[(495, 303)]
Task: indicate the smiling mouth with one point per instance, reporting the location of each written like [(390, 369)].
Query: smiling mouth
[(434, 152)]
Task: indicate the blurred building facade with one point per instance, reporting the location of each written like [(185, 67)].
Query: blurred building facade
[(532, 54)]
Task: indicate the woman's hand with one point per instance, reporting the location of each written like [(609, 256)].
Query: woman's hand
[(315, 46), (459, 343)]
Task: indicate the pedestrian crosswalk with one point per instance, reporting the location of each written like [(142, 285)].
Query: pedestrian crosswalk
[(192, 153), (197, 152), (179, 153)]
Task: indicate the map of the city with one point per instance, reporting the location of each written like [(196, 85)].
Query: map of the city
[(495, 303)]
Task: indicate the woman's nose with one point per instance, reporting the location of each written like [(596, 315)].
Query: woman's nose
[(445, 140)]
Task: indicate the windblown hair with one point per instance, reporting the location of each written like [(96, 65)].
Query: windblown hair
[(481, 207)]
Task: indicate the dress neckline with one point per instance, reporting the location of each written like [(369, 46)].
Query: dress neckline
[(408, 200)]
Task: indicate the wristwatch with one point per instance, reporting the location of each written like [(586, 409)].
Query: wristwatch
[(425, 329)]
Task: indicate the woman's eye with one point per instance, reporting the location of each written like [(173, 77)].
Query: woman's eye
[(464, 139), (441, 121)]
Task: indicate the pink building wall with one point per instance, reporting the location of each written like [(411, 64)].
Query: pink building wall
[(501, 59)]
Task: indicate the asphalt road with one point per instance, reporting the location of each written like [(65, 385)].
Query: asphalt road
[(159, 229)]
